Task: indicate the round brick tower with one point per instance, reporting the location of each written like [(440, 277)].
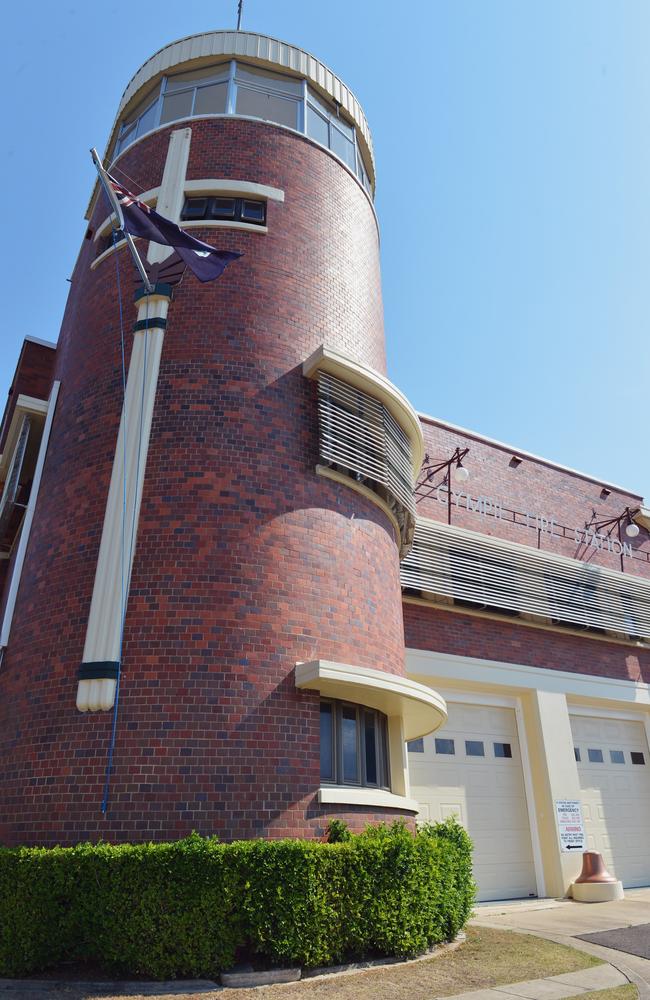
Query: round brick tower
[(268, 466)]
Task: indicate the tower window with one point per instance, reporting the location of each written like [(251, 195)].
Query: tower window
[(353, 745), (248, 210)]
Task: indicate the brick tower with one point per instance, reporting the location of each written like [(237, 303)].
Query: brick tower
[(262, 464)]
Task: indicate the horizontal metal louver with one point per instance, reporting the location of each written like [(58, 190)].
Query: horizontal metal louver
[(12, 482), (489, 572), (360, 436)]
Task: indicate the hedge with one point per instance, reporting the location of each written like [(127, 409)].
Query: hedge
[(196, 907)]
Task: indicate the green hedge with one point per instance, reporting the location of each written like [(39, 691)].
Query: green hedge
[(195, 907)]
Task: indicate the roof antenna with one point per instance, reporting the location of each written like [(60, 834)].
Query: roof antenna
[(239, 7)]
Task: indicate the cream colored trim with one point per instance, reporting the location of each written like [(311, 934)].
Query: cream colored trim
[(271, 53), (344, 795), (228, 186), (643, 518), (43, 343), (25, 406), (171, 192), (223, 224), (531, 806), (525, 623), (29, 516), (208, 186), (107, 253), (326, 359), (522, 454), (421, 709), (340, 477), (103, 632), (493, 673)]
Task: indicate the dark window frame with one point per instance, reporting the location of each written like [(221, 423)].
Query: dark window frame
[(381, 742), (212, 213)]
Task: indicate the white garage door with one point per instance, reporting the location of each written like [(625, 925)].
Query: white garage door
[(614, 771), (472, 767)]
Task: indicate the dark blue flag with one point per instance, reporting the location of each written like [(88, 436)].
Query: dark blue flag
[(203, 260)]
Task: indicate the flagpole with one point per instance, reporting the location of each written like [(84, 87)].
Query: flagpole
[(115, 205)]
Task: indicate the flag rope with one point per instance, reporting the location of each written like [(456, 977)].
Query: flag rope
[(111, 748)]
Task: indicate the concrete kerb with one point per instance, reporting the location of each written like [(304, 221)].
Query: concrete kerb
[(198, 986), (613, 958)]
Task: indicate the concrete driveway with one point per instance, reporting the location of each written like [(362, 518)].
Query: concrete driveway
[(564, 921)]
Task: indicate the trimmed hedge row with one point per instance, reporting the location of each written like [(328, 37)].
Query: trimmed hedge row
[(195, 907)]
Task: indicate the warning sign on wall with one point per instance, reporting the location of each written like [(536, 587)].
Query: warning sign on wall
[(570, 825)]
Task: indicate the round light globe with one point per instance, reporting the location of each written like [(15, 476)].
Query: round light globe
[(632, 530), (460, 474)]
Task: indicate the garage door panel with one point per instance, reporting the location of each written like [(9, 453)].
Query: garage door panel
[(486, 792), (615, 794)]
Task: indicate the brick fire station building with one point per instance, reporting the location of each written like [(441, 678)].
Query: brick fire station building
[(319, 602)]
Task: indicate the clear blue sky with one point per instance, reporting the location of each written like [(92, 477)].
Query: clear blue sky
[(513, 149)]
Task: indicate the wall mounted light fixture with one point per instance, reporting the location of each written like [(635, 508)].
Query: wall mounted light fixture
[(453, 469)]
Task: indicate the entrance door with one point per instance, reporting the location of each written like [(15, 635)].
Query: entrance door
[(614, 771), (472, 768)]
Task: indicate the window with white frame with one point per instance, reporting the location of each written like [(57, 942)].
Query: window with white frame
[(353, 745), (238, 88)]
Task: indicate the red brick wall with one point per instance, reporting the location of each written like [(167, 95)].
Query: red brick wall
[(33, 377), (246, 560), (505, 641), (534, 487)]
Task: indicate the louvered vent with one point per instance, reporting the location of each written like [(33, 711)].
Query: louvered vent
[(490, 573), (360, 437)]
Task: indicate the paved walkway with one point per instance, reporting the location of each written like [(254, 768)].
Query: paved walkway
[(570, 984), (564, 920)]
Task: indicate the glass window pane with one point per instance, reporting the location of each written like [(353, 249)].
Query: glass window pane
[(415, 746), (320, 103), (383, 738), (342, 126), (149, 119), (637, 757), (182, 80), (317, 127), (342, 147), (211, 100), (576, 751), (617, 756), (326, 742), (474, 748), (445, 746), (194, 208), (502, 750), (176, 106), (266, 106), (370, 740), (223, 208), (253, 211), (268, 81), (595, 756), (349, 744)]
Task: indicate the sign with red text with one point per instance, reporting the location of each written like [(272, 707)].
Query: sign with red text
[(570, 825)]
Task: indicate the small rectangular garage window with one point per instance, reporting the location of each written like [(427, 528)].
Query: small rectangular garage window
[(416, 746), (637, 757), (502, 750), (595, 756), (474, 748), (617, 756), (576, 751), (445, 746)]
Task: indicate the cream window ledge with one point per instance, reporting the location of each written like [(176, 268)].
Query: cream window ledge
[(325, 359), (210, 187), (421, 709), (344, 795)]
